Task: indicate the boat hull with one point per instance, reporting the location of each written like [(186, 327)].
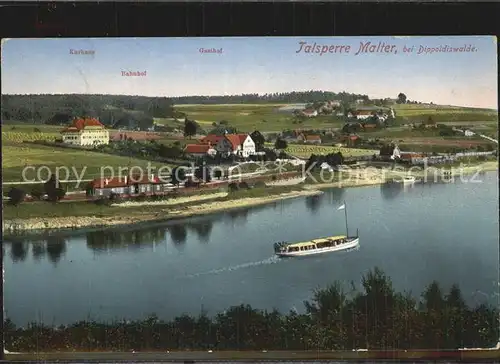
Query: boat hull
[(349, 245)]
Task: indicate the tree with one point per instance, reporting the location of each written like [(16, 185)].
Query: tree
[(202, 173), (280, 144), (178, 175), (401, 98), (258, 139), (37, 192), (189, 128), (16, 196), (57, 194)]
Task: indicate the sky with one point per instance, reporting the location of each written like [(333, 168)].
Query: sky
[(176, 67)]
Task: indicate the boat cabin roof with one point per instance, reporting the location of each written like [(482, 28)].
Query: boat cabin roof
[(315, 241)]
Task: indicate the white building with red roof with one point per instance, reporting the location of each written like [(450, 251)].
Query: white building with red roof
[(199, 150), (238, 144), (85, 132)]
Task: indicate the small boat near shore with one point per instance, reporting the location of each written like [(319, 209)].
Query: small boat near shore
[(318, 246), (406, 180)]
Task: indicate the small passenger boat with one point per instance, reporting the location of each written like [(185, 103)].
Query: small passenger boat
[(318, 246), (407, 180)]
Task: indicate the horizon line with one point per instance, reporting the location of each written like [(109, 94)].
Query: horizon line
[(245, 94)]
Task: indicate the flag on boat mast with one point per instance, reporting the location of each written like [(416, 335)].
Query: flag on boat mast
[(341, 207)]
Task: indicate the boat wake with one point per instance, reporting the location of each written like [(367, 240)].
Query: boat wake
[(271, 260)]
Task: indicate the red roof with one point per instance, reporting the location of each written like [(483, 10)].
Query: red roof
[(197, 148), (242, 137), (123, 181), (235, 140), (212, 139), (80, 124), (313, 137)]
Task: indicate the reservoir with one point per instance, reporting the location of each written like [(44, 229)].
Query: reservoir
[(416, 234)]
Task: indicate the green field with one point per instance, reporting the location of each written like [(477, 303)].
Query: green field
[(15, 157), (442, 113), (249, 117)]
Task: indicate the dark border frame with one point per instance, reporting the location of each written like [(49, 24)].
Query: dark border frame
[(139, 19)]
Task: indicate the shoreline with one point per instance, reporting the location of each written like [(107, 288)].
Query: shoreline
[(23, 228), (82, 224)]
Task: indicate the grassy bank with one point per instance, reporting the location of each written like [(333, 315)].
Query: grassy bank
[(81, 163), (41, 216)]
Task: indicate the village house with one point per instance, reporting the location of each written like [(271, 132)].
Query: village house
[(125, 186), (309, 113), (199, 150), (211, 139), (85, 132), (240, 145), (364, 114), (370, 126), (310, 139), (468, 133)]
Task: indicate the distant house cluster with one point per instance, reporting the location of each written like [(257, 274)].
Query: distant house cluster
[(326, 107), (240, 145), (85, 132), (128, 185)]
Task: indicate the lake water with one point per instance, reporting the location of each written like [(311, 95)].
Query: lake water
[(446, 232)]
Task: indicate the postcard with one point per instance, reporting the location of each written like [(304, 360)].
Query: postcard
[(251, 197)]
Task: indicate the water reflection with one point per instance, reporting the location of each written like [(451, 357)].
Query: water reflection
[(18, 251), (390, 190), (239, 216), (112, 240), (56, 247), (178, 233), (202, 229), (336, 195), (313, 203), (38, 250)]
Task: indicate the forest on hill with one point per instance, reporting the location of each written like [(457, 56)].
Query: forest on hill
[(136, 111)]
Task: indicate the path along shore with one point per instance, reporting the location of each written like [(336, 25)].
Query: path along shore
[(167, 210), (174, 209)]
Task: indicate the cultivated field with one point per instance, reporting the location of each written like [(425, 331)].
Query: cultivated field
[(305, 151), (442, 113), (135, 135), (30, 132)]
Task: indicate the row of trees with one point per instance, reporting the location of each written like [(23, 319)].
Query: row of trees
[(52, 189), (276, 97), (113, 110), (332, 159), (372, 317)]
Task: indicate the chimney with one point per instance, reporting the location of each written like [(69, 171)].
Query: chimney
[(152, 177), (106, 182), (126, 179)]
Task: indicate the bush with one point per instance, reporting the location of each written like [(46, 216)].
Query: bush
[(55, 195), (142, 197), (102, 201), (243, 186), (259, 184), (115, 198), (16, 196), (233, 187), (36, 130), (37, 193)]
